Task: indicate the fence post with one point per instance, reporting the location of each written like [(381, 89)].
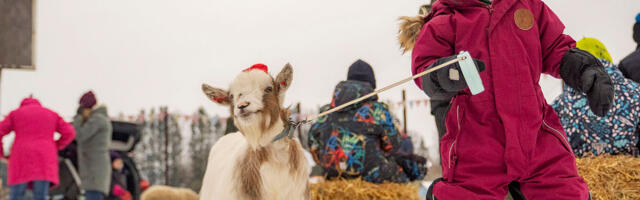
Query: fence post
[(404, 110), (166, 145)]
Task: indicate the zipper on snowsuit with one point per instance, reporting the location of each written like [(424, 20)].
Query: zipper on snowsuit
[(490, 8), (456, 138), (563, 139)]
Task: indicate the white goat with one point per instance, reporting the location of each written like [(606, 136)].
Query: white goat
[(249, 164)]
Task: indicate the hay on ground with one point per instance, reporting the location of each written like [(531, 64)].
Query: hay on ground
[(358, 189), (611, 177), (608, 177)]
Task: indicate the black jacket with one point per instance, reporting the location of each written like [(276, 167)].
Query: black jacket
[(630, 66), (439, 110)]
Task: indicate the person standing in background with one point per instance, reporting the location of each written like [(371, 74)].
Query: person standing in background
[(33, 161), (630, 65), (94, 136)]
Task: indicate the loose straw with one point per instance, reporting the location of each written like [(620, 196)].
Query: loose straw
[(386, 88)]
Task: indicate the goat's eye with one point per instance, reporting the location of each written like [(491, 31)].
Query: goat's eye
[(268, 89), (231, 97)]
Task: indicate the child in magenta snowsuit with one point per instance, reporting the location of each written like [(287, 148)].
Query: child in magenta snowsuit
[(508, 132), (34, 154)]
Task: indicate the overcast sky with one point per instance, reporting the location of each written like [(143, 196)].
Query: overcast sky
[(146, 53)]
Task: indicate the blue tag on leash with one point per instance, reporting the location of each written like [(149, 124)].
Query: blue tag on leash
[(470, 73)]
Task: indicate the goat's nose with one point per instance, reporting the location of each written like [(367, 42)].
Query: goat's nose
[(243, 105)]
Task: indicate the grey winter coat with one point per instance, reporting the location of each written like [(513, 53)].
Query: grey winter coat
[(93, 138)]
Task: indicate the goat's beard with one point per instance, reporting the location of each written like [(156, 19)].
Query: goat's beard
[(258, 118), (255, 127), (247, 118)]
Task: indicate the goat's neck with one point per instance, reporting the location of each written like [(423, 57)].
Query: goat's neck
[(257, 138)]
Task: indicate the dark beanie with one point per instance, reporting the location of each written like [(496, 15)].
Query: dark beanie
[(88, 100), (114, 155), (362, 71)]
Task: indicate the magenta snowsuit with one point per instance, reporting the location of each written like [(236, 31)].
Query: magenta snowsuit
[(508, 132), (34, 154)]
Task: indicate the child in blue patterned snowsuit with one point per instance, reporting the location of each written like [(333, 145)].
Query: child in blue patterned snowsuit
[(614, 133)]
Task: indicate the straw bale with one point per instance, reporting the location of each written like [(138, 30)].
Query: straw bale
[(358, 189), (611, 177)]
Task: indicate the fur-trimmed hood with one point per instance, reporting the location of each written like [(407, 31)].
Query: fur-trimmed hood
[(410, 28)]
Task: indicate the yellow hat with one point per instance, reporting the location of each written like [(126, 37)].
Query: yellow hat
[(594, 47)]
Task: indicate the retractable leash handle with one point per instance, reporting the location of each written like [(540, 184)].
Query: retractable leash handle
[(470, 73), (467, 66)]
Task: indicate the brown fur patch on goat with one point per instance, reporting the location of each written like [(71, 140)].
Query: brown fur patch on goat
[(294, 156), (248, 172), (271, 108)]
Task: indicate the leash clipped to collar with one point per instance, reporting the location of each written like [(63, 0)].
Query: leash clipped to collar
[(288, 130), (469, 71)]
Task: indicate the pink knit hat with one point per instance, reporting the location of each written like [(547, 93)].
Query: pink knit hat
[(88, 100)]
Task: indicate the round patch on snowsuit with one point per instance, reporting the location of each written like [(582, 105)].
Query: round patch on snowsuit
[(523, 19)]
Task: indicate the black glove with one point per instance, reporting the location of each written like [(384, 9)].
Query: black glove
[(584, 72), (440, 85), (413, 165)]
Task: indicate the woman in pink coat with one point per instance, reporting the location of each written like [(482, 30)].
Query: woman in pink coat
[(34, 155), (508, 132)]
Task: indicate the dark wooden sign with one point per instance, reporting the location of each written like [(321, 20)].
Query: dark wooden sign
[(17, 34)]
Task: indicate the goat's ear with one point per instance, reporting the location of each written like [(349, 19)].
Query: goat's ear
[(217, 95), (284, 78)]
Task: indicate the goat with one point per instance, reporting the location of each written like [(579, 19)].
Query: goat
[(250, 164)]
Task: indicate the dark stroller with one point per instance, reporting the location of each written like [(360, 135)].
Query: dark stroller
[(125, 137)]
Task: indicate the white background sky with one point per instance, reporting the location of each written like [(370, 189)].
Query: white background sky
[(147, 53)]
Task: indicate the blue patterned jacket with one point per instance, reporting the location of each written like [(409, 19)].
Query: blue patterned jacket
[(361, 141), (614, 133)]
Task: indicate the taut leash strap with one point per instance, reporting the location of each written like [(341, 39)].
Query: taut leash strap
[(291, 125), (425, 72)]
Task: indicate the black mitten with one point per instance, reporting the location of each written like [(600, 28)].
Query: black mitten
[(414, 166), (446, 82), (584, 72)]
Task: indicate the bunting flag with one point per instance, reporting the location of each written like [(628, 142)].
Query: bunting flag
[(409, 103)]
